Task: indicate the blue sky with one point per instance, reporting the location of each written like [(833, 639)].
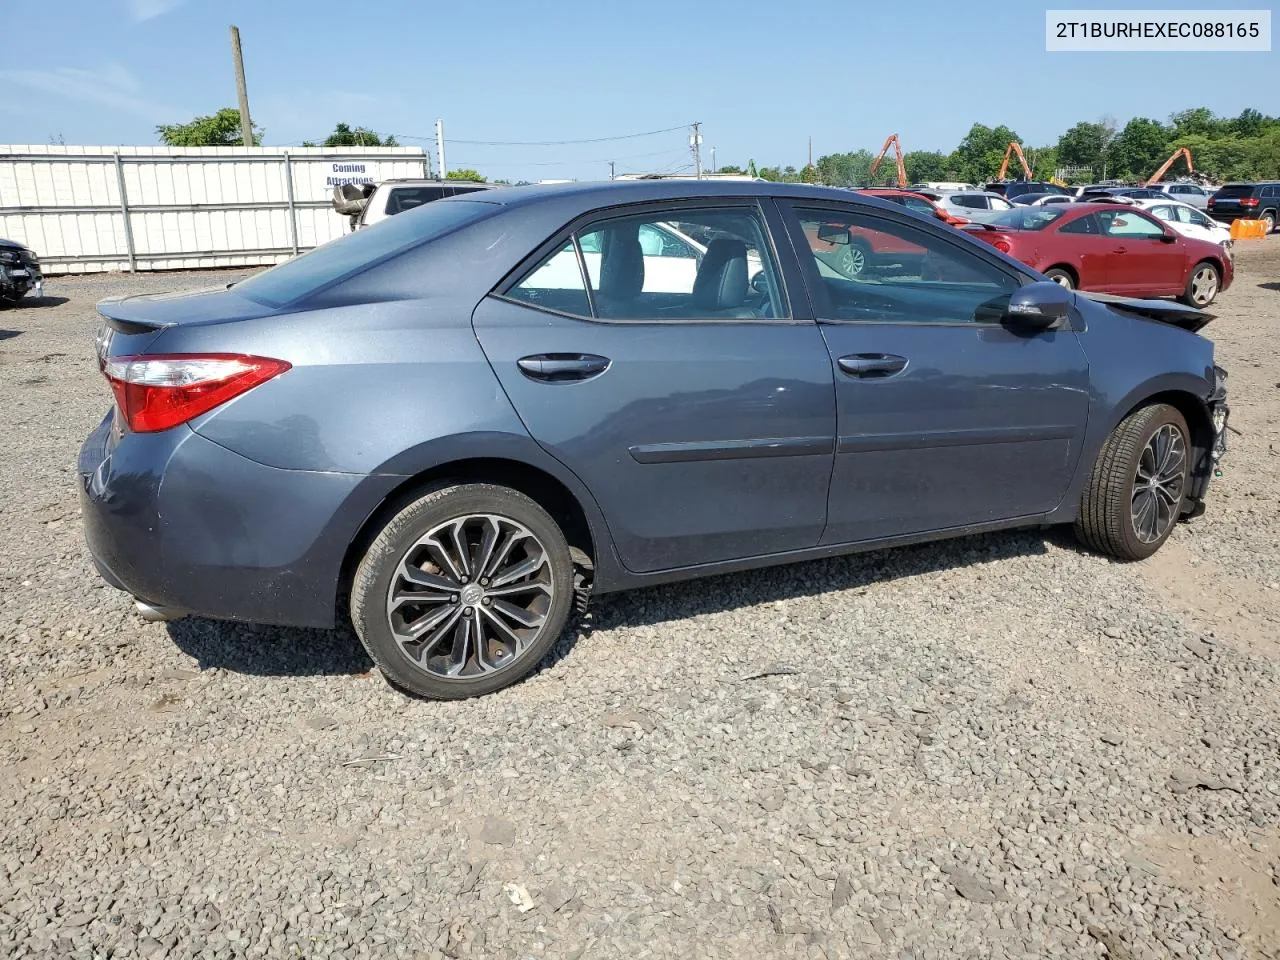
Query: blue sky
[(760, 77)]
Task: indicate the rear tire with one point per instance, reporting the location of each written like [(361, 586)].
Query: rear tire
[(1269, 218), (439, 600), (1136, 490), (1202, 285), (1062, 278)]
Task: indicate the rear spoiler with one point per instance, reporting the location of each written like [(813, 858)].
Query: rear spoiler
[(1166, 311)]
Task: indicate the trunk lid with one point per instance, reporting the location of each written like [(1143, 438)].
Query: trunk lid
[(157, 311)]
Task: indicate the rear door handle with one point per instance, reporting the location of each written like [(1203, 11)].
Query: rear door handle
[(868, 366), (562, 367)]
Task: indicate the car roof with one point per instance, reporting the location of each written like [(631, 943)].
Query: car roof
[(608, 192), (426, 182)]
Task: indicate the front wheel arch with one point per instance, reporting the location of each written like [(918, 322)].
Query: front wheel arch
[(1068, 270)]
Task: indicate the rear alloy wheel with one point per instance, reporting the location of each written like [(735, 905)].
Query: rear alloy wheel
[(1138, 484), (1202, 285), (1061, 277), (1269, 221), (463, 592)]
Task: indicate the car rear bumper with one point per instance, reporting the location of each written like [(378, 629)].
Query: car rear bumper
[(183, 523)]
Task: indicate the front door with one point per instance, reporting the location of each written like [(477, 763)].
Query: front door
[(1144, 262), (945, 417), (698, 413)]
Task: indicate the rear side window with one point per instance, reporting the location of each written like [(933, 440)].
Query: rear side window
[(972, 201), (675, 263), (1085, 225), (346, 256), (1272, 191), (401, 199)]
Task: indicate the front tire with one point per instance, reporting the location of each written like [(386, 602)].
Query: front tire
[(463, 592), (1202, 285), (1138, 485)]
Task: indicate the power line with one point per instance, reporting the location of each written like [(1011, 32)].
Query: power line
[(564, 163), (547, 143)]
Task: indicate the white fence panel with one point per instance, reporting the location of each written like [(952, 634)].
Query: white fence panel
[(87, 209)]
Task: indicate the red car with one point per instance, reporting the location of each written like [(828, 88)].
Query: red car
[(876, 248), (915, 202), (1111, 249)]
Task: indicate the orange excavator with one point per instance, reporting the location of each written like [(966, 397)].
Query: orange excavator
[(1164, 167), (893, 141), (1009, 151)]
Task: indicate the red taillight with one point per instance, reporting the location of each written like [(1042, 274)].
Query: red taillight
[(1249, 202), (160, 391), (1004, 246)]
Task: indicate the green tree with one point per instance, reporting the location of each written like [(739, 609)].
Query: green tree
[(345, 136), (220, 130), (1043, 160), (1197, 121), (979, 154), (1139, 149), (730, 168), (924, 165), (845, 169), (1250, 123), (1085, 145), (466, 173)]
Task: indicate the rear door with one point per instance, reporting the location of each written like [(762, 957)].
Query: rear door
[(698, 411), (945, 418)]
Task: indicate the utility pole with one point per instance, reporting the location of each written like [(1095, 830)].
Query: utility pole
[(811, 150), (695, 141), (610, 169), (440, 148), (714, 168), (246, 125)]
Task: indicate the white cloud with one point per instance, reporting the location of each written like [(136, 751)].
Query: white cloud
[(146, 9), (112, 86)]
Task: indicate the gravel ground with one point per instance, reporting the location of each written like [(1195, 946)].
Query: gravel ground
[(992, 747)]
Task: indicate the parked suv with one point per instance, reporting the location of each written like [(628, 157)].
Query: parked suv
[(397, 196), (1247, 201)]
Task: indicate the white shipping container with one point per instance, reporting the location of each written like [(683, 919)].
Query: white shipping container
[(181, 207)]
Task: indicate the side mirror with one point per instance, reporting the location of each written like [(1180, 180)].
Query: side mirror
[(832, 233), (1169, 237), (1038, 306)]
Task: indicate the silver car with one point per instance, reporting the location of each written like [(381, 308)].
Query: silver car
[(977, 205), (1189, 193)]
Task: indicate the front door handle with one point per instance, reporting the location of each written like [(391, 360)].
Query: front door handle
[(562, 367), (868, 366), (1122, 250)]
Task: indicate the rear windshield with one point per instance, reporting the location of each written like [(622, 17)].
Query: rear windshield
[(1026, 218), (339, 259), (1236, 190)]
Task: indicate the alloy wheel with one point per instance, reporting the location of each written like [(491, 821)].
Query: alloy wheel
[(1158, 484), (469, 597), (1062, 280), (852, 261), (1204, 285)]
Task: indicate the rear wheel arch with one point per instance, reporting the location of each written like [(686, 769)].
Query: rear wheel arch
[(548, 491)]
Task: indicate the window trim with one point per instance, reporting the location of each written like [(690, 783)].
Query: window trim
[(570, 231), (813, 280)]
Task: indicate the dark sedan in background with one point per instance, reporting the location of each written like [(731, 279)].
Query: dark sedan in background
[(19, 272), (456, 422)]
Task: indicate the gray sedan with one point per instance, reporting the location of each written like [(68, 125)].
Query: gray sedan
[(451, 427)]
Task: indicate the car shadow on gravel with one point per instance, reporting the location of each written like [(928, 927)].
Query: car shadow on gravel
[(269, 651), (9, 334), (1272, 285), (296, 652)]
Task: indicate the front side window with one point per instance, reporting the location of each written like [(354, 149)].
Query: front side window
[(675, 264), (1128, 224), (918, 206), (877, 270), (1194, 216)]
